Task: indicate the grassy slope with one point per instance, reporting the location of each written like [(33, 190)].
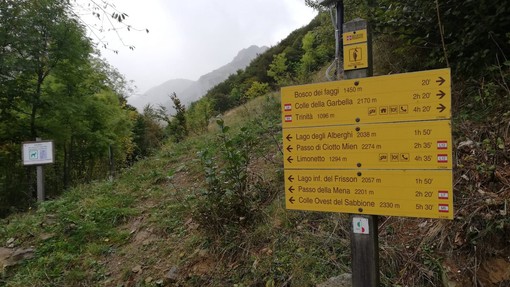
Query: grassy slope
[(133, 230)]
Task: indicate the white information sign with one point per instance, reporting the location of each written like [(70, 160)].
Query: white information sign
[(38, 153), (360, 225)]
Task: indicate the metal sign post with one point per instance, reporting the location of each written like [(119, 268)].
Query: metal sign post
[(38, 153), (339, 33), (40, 181), (338, 5)]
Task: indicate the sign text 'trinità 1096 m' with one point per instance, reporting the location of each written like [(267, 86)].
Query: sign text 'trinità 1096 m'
[(379, 145)]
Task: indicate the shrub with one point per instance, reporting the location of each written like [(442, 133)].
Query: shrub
[(232, 199)]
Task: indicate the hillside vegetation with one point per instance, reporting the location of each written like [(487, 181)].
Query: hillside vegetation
[(54, 86), (210, 211), (207, 208)]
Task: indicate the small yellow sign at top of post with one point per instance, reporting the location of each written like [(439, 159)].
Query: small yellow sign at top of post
[(355, 50), (355, 37)]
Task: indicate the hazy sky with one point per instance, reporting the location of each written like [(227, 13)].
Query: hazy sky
[(190, 38)]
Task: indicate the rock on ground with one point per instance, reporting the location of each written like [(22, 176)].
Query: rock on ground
[(344, 280)]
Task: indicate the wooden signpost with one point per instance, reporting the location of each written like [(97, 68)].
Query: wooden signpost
[(365, 228), (369, 146)]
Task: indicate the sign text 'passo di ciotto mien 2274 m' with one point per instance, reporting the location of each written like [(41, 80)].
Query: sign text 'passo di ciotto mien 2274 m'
[(403, 145), (379, 145)]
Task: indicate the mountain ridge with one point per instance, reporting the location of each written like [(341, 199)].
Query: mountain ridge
[(189, 91)]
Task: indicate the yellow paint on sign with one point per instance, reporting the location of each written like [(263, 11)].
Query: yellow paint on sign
[(379, 145), (401, 97), (408, 145), (356, 56), (355, 37), (427, 193)]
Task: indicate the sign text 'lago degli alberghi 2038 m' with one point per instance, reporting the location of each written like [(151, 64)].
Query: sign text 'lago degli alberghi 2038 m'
[(379, 145)]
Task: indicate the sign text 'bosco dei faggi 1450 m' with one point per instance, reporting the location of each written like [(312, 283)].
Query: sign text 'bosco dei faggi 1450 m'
[(379, 145)]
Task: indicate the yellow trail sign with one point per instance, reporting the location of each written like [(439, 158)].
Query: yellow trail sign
[(355, 37), (402, 97), (412, 193), (379, 145), (407, 145), (356, 56)]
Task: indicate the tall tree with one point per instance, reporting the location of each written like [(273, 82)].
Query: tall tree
[(177, 128), (52, 86), (41, 37), (470, 35), (198, 115), (278, 70)]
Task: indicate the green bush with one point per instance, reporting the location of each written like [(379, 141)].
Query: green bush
[(232, 199)]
